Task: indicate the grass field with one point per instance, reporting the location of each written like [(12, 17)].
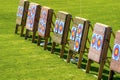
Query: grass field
[(22, 60)]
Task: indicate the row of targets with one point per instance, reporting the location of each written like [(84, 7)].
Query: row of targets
[(100, 38)]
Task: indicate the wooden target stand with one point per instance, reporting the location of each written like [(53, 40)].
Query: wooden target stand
[(44, 25), (21, 15), (32, 20), (78, 38), (61, 29), (115, 61), (99, 47)]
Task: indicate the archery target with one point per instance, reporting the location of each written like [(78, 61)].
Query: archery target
[(79, 30), (42, 22), (56, 26), (61, 27), (20, 11), (31, 16), (94, 39), (41, 28), (116, 52), (44, 16), (99, 42), (77, 44), (73, 33)]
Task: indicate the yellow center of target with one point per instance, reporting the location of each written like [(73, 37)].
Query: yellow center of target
[(79, 30), (56, 25), (73, 33), (30, 21), (29, 13), (116, 52), (77, 44), (60, 28), (93, 40), (99, 42), (42, 28)]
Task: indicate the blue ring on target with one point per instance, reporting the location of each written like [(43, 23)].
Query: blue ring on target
[(79, 30), (77, 43), (93, 42)]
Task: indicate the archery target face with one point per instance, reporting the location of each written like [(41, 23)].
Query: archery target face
[(77, 43), (42, 22), (61, 27), (99, 42), (94, 39), (116, 52), (20, 11), (56, 26), (44, 15), (31, 16), (79, 30), (42, 28), (73, 33)]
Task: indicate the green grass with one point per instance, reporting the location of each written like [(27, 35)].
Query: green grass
[(22, 60)]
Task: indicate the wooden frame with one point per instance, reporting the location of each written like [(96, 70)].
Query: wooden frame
[(22, 15), (32, 20), (99, 47), (45, 25), (79, 30), (61, 30), (115, 61)]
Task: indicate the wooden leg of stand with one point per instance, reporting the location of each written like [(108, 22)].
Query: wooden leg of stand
[(53, 47), (111, 74), (80, 59), (16, 28), (70, 53), (26, 34), (62, 51), (22, 31), (46, 42), (88, 66), (33, 36), (38, 42), (100, 70)]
